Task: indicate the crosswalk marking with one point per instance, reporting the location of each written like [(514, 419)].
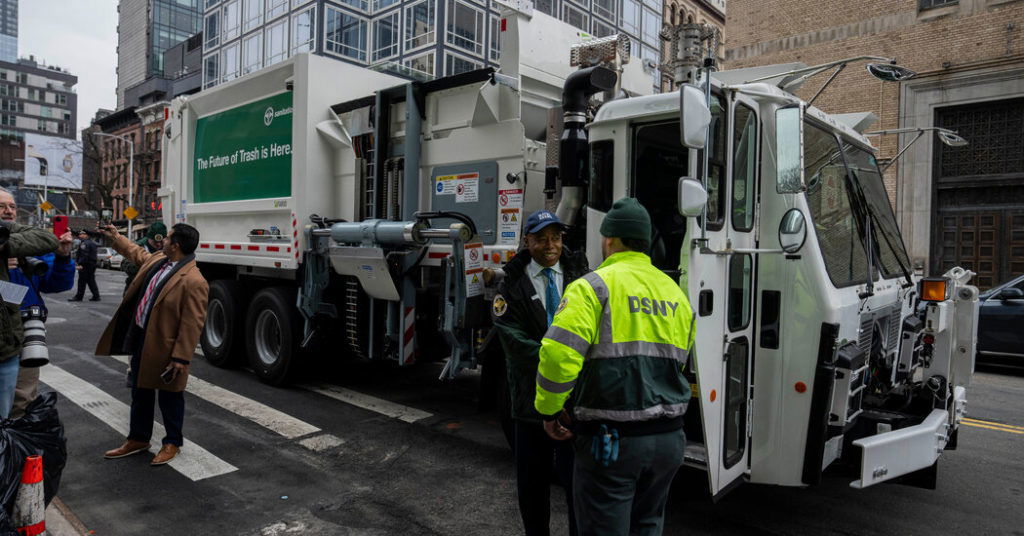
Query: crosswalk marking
[(261, 414), (194, 462), (384, 407)]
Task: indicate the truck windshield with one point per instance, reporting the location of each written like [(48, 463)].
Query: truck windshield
[(892, 254), (838, 229)]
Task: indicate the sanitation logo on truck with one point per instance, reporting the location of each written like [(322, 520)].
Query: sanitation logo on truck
[(245, 152)]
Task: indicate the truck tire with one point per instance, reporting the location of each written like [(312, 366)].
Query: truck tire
[(222, 339), (273, 334)]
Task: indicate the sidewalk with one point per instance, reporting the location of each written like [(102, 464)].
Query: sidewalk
[(61, 521)]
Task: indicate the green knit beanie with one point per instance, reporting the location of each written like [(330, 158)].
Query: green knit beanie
[(627, 219), (157, 229)]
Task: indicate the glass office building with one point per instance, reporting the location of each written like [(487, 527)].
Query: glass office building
[(420, 38)]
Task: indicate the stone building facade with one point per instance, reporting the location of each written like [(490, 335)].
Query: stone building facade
[(956, 206)]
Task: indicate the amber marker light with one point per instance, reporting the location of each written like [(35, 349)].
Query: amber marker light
[(934, 289)]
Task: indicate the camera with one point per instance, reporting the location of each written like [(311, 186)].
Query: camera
[(33, 267), (34, 352)]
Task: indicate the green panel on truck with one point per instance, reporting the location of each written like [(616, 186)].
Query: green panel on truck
[(245, 152)]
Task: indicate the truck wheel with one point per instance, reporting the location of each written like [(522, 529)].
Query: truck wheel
[(222, 340), (272, 334)]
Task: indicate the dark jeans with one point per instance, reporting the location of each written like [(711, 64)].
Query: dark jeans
[(172, 405), (628, 497), (87, 276), (538, 459)]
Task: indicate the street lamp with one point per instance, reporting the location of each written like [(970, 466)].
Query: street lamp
[(131, 168)]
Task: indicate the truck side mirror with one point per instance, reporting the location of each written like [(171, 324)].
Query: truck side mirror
[(789, 166), (694, 117), (792, 231), (692, 197)]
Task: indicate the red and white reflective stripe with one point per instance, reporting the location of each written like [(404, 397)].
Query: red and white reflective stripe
[(409, 336), (242, 248), (295, 235)]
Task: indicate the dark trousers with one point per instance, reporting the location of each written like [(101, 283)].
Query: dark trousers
[(87, 276), (628, 497), (538, 459), (172, 405)]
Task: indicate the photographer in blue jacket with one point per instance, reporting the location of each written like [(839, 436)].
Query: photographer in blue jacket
[(59, 277)]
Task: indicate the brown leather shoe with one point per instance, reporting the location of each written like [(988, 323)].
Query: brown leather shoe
[(166, 454), (130, 447)]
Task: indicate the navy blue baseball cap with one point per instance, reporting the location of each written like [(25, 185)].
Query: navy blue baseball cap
[(541, 219)]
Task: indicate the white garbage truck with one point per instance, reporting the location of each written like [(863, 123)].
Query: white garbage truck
[(355, 212)]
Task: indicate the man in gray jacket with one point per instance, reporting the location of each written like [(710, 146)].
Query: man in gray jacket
[(21, 241)]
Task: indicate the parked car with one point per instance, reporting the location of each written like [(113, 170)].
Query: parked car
[(1001, 323), (115, 261), (103, 255)]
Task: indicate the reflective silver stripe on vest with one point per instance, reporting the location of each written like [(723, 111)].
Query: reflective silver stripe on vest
[(654, 412), (554, 387), (568, 338), (638, 348), (601, 290)]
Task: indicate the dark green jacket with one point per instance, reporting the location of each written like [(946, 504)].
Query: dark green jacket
[(130, 268), (521, 325), (25, 241)]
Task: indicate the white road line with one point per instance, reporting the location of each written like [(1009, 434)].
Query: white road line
[(384, 407), (261, 414), (194, 461)]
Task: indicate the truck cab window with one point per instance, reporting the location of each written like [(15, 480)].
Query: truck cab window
[(829, 199), (716, 165), (659, 159), (602, 175), (744, 169)]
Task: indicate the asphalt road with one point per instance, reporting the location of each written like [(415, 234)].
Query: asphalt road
[(402, 453)]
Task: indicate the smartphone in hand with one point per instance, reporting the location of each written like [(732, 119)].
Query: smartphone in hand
[(60, 225), (169, 373)]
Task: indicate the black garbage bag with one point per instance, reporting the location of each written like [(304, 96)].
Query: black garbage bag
[(38, 432)]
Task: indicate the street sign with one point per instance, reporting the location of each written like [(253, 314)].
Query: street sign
[(130, 213), (46, 205)]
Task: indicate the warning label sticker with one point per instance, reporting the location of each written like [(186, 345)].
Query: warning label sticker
[(510, 216), (474, 269), (450, 185)]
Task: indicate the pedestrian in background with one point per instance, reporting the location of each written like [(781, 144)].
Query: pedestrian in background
[(158, 323), (24, 241), (619, 344), (523, 309), (152, 242), (86, 261)]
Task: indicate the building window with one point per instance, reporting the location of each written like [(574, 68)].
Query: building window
[(232, 22), (420, 20), (379, 5), (457, 64), (212, 30), (548, 7), (606, 9), (62, 99), (652, 27), (67, 116), (574, 16), (252, 14), (230, 62), (299, 3), (277, 42), (211, 71), (630, 17), (385, 37), (423, 64), (495, 49), (361, 5), (41, 125), (252, 53), (276, 8), (929, 4), (600, 29), (994, 131), (23, 78), (345, 34), (211, 3), (304, 31), (465, 27)]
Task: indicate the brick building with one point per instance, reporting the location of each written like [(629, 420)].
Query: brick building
[(960, 206)]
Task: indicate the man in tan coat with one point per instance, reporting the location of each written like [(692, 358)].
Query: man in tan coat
[(158, 322)]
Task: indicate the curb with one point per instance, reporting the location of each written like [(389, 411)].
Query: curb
[(61, 521)]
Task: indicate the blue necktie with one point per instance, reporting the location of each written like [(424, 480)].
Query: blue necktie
[(550, 294)]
